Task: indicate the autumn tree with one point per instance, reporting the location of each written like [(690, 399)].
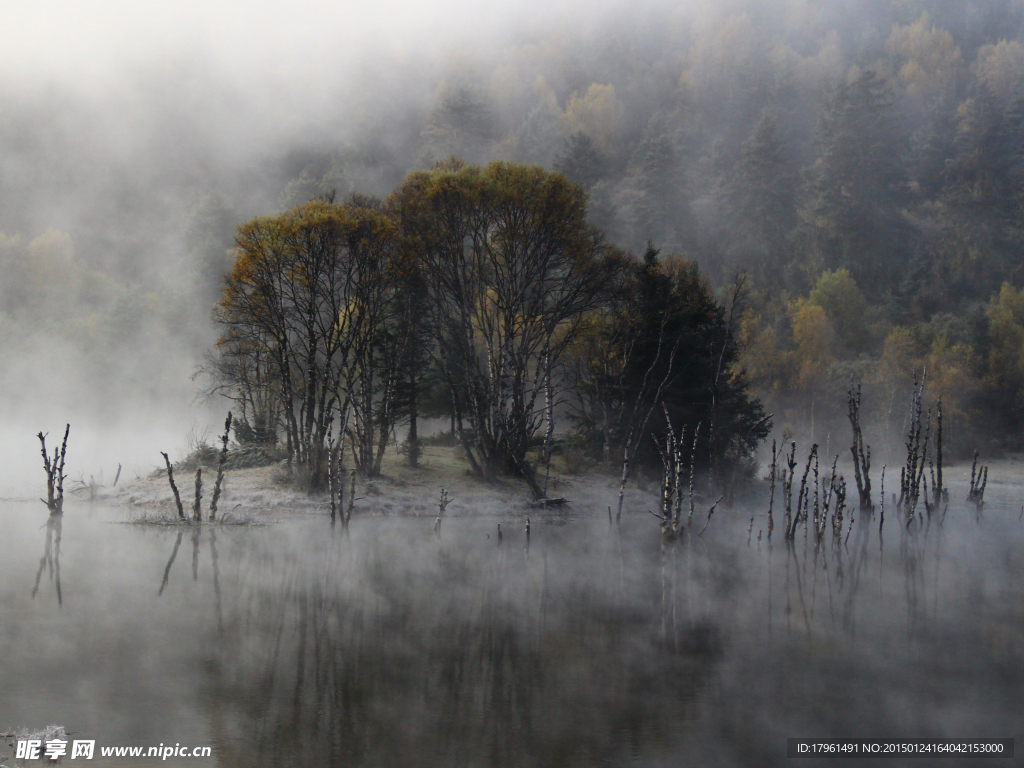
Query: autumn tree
[(511, 266), (812, 342), (304, 305), (377, 330), (836, 292), (416, 384), (927, 61)]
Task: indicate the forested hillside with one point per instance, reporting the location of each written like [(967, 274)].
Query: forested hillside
[(847, 174)]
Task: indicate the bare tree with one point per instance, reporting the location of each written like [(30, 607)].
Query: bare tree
[(55, 477), (242, 369)]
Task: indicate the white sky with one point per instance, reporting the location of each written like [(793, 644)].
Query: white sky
[(86, 40)]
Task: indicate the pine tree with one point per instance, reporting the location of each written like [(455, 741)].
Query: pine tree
[(580, 161), (853, 216), (760, 203)]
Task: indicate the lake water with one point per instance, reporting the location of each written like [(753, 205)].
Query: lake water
[(296, 644)]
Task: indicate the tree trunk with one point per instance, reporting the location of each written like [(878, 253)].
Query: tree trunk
[(414, 440)]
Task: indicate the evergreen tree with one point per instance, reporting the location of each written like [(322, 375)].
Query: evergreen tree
[(651, 197), (676, 346), (853, 216), (580, 160), (462, 124), (983, 193), (412, 387), (760, 198)]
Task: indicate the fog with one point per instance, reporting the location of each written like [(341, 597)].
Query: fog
[(134, 138), (750, 137), (584, 645), (124, 123)]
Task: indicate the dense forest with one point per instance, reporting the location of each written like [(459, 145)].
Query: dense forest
[(840, 183), (482, 295)]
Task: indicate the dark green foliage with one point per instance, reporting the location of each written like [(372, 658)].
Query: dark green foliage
[(984, 193), (761, 194), (254, 434), (679, 350), (853, 214), (245, 457), (674, 305), (580, 160)]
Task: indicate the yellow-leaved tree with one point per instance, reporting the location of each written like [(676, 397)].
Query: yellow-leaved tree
[(597, 113), (305, 316), (1004, 376), (813, 337), (511, 266), (836, 292)]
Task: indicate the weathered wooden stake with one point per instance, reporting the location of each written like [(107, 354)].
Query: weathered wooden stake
[(861, 455), (442, 504), (197, 509), (771, 492), (220, 467), (54, 468), (170, 479), (331, 468), (979, 479)]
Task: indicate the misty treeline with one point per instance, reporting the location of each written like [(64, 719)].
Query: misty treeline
[(483, 295), (859, 162), (66, 326)]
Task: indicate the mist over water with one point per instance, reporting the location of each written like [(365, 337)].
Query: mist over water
[(299, 644), (135, 138)]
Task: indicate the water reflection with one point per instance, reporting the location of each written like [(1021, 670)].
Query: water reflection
[(50, 561), (216, 579), (381, 653), (572, 643), (170, 563)]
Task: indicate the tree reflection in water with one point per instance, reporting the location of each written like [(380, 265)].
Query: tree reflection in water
[(382, 650), (50, 561), (385, 644)]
